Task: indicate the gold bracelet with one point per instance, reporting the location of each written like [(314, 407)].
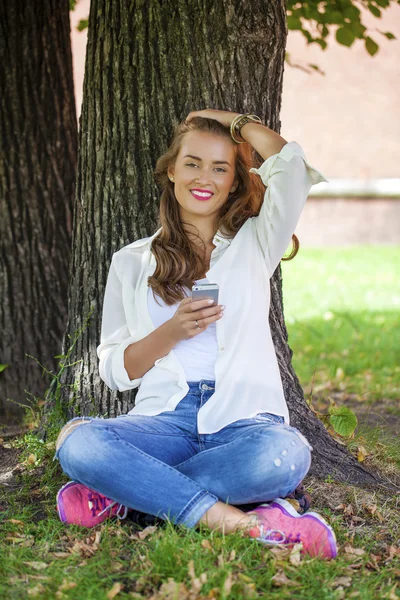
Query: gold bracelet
[(233, 125), (238, 122)]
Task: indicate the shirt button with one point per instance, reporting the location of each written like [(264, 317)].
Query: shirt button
[(222, 348)]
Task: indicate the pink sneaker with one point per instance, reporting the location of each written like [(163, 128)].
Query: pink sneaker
[(280, 523), (79, 505)]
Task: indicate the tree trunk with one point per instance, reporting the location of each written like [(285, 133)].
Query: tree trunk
[(147, 66), (38, 133)]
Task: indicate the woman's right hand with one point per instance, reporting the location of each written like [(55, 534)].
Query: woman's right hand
[(183, 323)]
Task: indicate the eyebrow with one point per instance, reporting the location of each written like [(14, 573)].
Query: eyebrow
[(215, 162)]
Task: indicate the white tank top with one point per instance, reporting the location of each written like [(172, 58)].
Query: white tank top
[(198, 354)]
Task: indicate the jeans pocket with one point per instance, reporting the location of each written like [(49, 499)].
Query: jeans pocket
[(266, 417)]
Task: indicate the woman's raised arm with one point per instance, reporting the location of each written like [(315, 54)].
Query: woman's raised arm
[(288, 178)]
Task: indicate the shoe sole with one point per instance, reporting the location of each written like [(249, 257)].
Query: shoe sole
[(60, 503), (290, 511)]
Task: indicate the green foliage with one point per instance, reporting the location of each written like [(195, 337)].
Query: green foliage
[(83, 24), (342, 419), (315, 19), (3, 367)]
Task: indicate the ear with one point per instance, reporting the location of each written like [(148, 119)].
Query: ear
[(170, 172), (234, 186)]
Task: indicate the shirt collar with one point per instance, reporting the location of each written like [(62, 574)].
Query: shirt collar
[(218, 239)]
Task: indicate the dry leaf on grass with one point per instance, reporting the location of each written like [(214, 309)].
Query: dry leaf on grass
[(391, 595), (67, 585), (295, 554), (197, 582), (280, 579), (31, 459), (362, 453), (279, 553), (39, 566), (343, 581), (36, 590), (206, 544), (171, 590), (393, 551), (349, 549), (14, 521), (228, 584), (116, 588), (142, 535)]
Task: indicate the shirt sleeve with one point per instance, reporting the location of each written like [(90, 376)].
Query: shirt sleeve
[(115, 336), (288, 177)]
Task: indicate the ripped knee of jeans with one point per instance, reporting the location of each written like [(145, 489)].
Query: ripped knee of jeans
[(67, 429)]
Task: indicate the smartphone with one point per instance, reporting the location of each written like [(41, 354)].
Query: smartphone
[(201, 291)]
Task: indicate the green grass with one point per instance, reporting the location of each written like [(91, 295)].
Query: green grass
[(342, 310), (344, 324)]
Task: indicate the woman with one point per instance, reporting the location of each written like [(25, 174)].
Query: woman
[(210, 430)]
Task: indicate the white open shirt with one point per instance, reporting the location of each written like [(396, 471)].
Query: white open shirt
[(247, 377)]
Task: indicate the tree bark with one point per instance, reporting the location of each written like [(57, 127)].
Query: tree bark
[(38, 132), (148, 65)]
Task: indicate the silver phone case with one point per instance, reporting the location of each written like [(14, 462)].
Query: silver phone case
[(202, 291)]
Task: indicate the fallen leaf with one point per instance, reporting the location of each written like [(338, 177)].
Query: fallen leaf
[(14, 522), (392, 594), (147, 531), (116, 588), (295, 554), (18, 579), (351, 550), (197, 582), (362, 453), (343, 581), (36, 590), (279, 552), (61, 554), (206, 544), (280, 579), (232, 556), (67, 585), (393, 551), (31, 459), (39, 566), (227, 584), (245, 578)]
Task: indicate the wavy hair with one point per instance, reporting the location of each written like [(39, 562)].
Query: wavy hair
[(179, 262)]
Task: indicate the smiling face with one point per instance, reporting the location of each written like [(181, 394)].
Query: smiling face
[(206, 162)]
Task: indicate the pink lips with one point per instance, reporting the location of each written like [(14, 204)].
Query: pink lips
[(199, 197)]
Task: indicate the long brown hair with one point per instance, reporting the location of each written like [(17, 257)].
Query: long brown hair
[(178, 261)]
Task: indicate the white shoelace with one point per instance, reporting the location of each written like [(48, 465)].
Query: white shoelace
[(117, 513)]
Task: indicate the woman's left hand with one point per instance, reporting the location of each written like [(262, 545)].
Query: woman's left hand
[(223, 116)]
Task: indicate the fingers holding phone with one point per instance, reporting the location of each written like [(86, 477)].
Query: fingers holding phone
[(189, 311)]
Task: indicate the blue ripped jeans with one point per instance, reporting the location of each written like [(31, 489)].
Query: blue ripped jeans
[(161, 465)]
